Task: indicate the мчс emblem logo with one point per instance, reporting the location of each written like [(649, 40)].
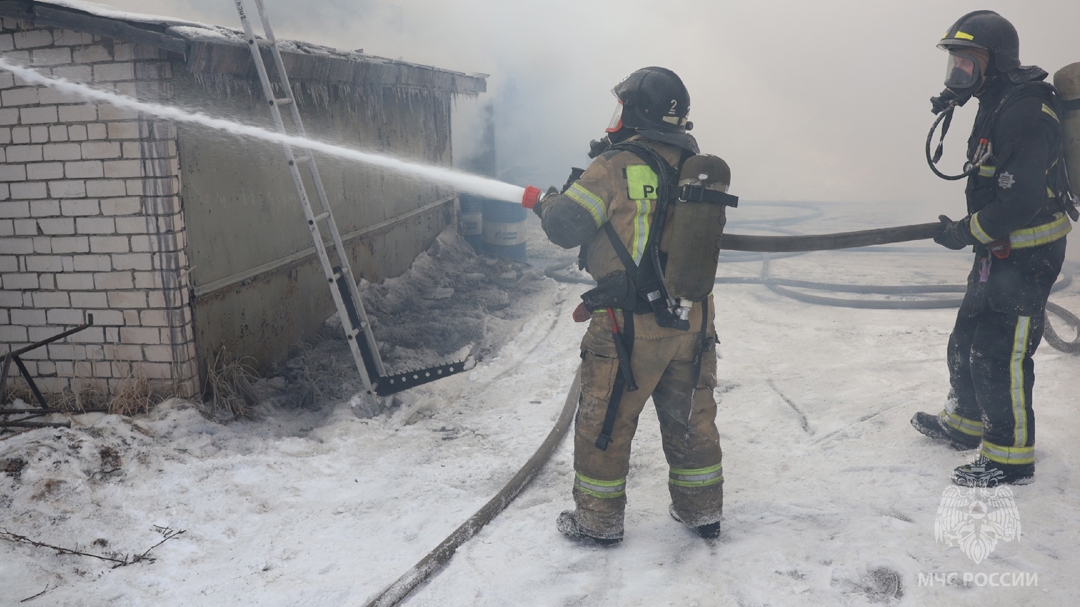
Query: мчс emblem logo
[(1006, 180), (976, 519)]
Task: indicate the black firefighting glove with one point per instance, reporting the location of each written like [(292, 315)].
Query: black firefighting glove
[(539, 207), (955, 235), (575, 174)]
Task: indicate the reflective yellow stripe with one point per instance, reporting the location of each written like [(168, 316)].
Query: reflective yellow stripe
[(987, 171), (1039, 235), (1050, 193), (642, 186), (1052, 113), (641, 229), (963, 36), (978, 232), (1008, 455), (600, 489), (697, 477), (970, 427), (591, 202), (1016, 379)]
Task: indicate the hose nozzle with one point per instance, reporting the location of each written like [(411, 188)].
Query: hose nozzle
[(530, 197)]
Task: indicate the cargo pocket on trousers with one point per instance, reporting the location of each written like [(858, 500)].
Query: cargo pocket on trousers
[(707, 378), (598, 375), (599, 362)]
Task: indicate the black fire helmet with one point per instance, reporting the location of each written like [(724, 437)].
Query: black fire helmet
[(655, 103), (989, 31), (654, 98)]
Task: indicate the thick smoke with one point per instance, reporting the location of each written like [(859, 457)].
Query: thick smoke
[(824, 100)]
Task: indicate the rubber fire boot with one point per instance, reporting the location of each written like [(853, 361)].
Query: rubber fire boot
[(932, 426), (984, 472), (568, 525), (708, 531)]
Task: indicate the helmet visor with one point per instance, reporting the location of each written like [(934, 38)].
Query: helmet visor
[(963, 71), (616, 119)]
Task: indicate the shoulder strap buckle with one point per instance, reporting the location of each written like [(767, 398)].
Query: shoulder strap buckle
[(697, 193)]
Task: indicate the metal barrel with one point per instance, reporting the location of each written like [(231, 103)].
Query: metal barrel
[(471, 220), (504, 229)]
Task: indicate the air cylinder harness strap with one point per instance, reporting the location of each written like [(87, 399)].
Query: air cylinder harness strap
[(624, 380)]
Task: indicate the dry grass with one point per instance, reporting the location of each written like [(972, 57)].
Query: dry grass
[(93, 396), (323, 375), (229, 392), (134, 395), (18, 390), (88, 397)]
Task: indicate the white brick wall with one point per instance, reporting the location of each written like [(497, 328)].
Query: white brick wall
[(77, 234)]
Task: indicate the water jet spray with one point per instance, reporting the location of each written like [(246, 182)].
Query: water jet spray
[(459, 180)]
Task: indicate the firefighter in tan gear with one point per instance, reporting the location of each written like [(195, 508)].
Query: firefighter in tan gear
[(637, 217)]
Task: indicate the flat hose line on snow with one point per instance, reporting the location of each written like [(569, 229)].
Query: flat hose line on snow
[(437, 558)]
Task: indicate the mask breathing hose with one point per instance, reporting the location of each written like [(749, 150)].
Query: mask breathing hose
[(932, 159)]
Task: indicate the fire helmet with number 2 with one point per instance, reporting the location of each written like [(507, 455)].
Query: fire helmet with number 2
[(654, 102)]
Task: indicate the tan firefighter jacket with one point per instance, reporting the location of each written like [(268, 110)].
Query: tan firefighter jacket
[(620, 188)]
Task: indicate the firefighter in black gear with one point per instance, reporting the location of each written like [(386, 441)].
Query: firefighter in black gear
[(629, 353), (1017, 224)]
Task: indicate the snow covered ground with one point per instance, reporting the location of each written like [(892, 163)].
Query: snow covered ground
[(830, 496)]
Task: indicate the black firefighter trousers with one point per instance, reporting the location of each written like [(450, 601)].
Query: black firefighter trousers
[(998, 328)]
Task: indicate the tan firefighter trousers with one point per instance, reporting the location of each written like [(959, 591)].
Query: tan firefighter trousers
[(663, 366)]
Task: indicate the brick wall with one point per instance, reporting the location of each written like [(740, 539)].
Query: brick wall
[(91, 218)]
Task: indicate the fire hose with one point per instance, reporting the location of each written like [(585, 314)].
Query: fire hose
[(846, 240), (829, 242), (788, 245), (437, 558)]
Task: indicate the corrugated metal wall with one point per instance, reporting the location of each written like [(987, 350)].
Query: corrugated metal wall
[(258, 285)]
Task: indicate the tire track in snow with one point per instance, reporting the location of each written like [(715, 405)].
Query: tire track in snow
[(862, 419), (805, 423)]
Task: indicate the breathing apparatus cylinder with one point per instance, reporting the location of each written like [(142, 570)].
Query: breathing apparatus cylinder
[(1067, 82), (693, 242)]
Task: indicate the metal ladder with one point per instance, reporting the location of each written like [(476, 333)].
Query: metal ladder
[(354, 321)]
